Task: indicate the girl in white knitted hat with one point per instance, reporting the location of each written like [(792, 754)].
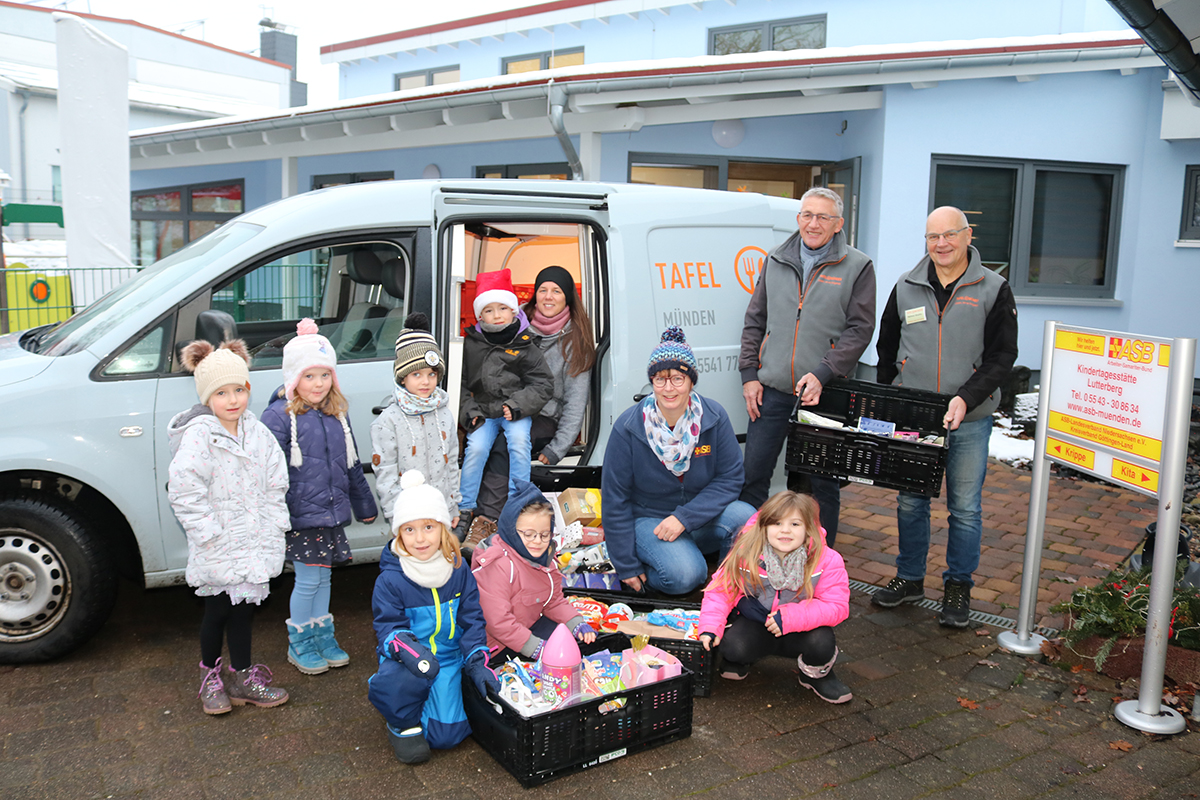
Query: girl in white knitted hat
[(226, 484), (308, 415)]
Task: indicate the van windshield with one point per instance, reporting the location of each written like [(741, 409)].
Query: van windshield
[(83, 329)]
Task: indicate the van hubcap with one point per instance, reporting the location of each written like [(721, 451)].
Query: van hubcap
[(33, 585)]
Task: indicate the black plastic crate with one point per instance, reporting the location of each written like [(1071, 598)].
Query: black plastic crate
[(546, 746), (865, 458), (702, 663)]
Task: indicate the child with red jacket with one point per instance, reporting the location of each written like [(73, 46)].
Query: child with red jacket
[(780, 591)]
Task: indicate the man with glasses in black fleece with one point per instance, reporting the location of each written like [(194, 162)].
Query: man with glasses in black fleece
[(949, 326), (810, 318)]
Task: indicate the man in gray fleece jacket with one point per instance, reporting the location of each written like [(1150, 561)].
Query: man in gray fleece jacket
[(811, 316)]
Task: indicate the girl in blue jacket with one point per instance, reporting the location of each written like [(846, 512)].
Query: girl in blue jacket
[(429, 625), (308, 417)]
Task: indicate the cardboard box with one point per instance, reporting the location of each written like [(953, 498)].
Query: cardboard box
[(580, 505)]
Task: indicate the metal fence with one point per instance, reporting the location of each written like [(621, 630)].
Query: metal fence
[(33, 294)]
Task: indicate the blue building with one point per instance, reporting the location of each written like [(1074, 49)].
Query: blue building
[(1050, 122)]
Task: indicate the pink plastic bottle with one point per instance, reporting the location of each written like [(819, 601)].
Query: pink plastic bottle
[(560, 665)]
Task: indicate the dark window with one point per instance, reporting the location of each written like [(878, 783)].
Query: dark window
[(1049, 228), (164, 220), (532, 62), (799, 33), (553, 171), (1189, 224), (342, 178), (427, 77)]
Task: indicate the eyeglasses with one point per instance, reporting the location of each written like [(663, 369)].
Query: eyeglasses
[(823, 219), (949, 236), (535, 536), (660, 381)]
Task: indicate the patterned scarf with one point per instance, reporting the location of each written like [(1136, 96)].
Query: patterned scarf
[(673, 446), (414, 405), (785, 576)]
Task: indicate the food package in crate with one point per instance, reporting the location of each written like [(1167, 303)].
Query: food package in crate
[(580, 505), (648, 664)]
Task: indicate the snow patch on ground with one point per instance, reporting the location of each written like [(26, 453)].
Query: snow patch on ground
[(1004, 446)]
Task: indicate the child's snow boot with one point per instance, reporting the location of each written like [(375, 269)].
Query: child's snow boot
[(327, 646), (212, 691), (302, 648), (409, 745), (253, 686)]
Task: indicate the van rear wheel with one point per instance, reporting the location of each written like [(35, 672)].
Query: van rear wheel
[(57, 583)]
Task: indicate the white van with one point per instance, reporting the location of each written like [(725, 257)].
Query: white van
[(83, 444)]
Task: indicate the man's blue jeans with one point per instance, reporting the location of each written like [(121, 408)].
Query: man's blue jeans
[(765, 438), (966, 467), (678, 567), (479, 447)]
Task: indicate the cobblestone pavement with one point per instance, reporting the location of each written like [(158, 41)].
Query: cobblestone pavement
[(937, 713), (1090, 529)]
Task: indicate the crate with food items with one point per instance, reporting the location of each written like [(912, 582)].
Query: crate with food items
[(579, 706), (872, 433)]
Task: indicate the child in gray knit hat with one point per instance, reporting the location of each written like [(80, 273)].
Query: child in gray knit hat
[(417, 429)]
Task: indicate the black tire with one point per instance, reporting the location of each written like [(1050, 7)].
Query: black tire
[(57, 581)]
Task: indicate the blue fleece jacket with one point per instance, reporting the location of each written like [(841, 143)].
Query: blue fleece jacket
[(636, 484)]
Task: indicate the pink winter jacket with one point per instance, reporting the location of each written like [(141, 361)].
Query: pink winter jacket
[(515, 593), (830, 603)]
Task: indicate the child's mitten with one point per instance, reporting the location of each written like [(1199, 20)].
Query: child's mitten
[(480, 674), (404, 647)]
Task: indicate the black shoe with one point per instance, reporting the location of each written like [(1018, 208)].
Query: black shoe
[(464, 524), (956, 605), (899, 590), (829, 688), (411, 748), (734, 672)]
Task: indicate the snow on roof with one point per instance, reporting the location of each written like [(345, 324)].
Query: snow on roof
[(852, 61), (142, 95), (135, 24)]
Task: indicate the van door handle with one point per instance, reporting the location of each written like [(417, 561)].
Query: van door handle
[(131, 431)]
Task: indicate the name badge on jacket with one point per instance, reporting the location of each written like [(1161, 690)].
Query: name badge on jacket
[(914, 315)]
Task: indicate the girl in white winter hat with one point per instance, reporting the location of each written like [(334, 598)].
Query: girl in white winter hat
[(308, 415), (226, 484)]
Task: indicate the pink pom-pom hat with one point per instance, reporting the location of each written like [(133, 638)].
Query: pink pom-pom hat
[(309, 349)]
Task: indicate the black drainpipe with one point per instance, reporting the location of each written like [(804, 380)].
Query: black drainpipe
[(1165, 38)]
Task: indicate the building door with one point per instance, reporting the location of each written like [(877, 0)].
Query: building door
[(843, 178)]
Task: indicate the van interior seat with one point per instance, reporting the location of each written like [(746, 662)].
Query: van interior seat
[(395, 279), (357, 336)]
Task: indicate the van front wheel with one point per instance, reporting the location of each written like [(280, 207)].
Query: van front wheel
[(57, 583)]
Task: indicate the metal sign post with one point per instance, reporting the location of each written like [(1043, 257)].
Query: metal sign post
[(1116, 406), (1148, 713), (1024, 641)]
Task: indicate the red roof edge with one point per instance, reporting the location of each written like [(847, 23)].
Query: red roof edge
[(137, 24), (498, 16)]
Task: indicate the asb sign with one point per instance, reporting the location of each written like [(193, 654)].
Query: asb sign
[(1107, 405)]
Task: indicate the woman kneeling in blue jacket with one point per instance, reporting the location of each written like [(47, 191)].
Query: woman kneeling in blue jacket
[(429, 626)]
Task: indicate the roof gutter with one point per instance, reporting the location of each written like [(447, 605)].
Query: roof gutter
[(557, 98), (1164, 37), (864, 69)]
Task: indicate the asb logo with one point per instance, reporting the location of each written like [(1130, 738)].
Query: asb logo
[(748, 265), (1134, 350)]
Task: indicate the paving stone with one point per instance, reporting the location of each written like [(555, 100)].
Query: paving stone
[(932, 773), (888, 783), (979, 754)]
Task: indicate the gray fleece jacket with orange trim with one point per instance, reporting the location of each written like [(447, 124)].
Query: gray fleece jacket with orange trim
[(823, 329)]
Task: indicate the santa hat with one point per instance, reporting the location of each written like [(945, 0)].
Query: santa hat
[(494, 287), (308, 350)]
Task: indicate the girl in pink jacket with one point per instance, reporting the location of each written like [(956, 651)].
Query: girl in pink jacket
[(520, 587), (780, 592)]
